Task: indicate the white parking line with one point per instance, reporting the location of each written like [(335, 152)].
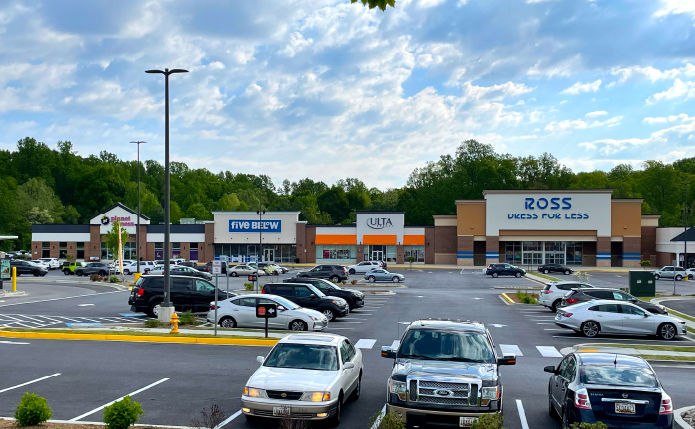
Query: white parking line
[(395, 344), (340, 329), (59, 299), (29, 382), (80, 417), (351, 318), (365, 344), (522, 414), (360, 314), (377, 422), (341, 322), (228, 419), (11, 342), (510, 349), (545, 323), (549, 351)]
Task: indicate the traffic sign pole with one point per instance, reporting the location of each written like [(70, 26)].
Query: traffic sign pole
[(216, 280), (266, 327)]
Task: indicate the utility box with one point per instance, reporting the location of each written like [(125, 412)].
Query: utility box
[(642, 283)]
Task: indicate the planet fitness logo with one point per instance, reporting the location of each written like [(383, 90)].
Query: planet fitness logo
[(104, 220)]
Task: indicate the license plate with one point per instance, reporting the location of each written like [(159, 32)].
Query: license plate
[(281, 411), (466, 422), (625, 408)]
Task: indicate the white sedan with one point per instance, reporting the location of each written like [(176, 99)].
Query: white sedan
[(240, 311), (305, 377), (53, 263), (364, 267), (244, 270), (618, 317)]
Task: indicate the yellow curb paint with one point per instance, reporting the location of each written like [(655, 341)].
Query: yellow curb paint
[(140, 338), (588, 350), (507, 298)]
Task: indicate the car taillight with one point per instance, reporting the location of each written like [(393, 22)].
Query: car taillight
[(571, 300), (565, 314), (547, 291), (141, 292), (581, 399), (666, 404), (262, 290), (213, 307)]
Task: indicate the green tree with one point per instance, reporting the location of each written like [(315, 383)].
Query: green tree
[(335, 203), (199, 212), (229, 202), (381, 4), (71, 215), (111, 237), (37, 202)]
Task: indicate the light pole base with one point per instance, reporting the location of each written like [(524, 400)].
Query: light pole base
[(165, 314)]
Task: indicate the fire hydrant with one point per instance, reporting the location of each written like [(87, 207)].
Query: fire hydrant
[(174, 321)]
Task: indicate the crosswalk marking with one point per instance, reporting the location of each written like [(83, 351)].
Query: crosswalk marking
[(395, 344), (40, 321), (510, 349), (365, 344), (549, 351)]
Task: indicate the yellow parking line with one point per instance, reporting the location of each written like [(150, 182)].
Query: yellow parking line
[(140, 338)]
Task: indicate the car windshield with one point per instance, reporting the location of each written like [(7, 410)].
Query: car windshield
[(618, 375), (286, 303), (315, 290), (454, 346), (303, 356), (331, 285)]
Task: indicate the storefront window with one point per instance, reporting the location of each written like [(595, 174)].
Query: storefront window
[(62, 250), (159, 251), (532, 252), (417, 252), (555, 252), (513, 252), (46, 249), (242, 253), (336, 252), (574, 253), (80, 251), (193, 255), (175, 249), (130, 250), (391, 252)]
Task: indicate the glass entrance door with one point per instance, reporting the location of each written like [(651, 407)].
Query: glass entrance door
[(377, 255), (269, 255)]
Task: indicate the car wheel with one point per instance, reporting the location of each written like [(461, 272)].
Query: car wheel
[(298, 325), (679, 277), (78, 273), (551, 409), (395, 279), (656, 276), (153, 311), (590, 329), (545, 271), (667, 331), (352, 271), (66, 272), (36, 273), (335, 279), (495, 275), (250, 418), (102, 273), (567, 272), (126, 272), (517, 275), (372, 279), (234, 274), (335, 420), (555, 305), (358, 389), (330, 315), (228, 322)]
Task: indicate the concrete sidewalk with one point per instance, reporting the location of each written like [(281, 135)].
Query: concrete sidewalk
[(635, 351)]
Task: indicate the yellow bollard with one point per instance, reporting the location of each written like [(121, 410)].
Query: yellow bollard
[(174, 321), (136, 276), (14, 279)]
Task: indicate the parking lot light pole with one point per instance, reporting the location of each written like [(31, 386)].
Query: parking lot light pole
[(260, 214), (137, 232), (166, 314)]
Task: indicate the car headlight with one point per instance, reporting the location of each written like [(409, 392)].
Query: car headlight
[(316, 396), (317, 318), (489, 394), (339, 303), (255, 392), (397, 387)]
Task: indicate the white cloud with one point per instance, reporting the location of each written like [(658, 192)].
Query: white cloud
[(678, 90), (509, 89), (596, 114), (579, 88), (652, 74), (539, 1), (578, 124), (430, 3), (563, 68), (652, 121), (216, 65), (676, 7), (297, 44)]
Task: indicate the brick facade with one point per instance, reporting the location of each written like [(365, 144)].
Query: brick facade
[(465, 245), (445, 245), (631, 246), (429, 245), (492, 246), (310, 245), (648, 247), (206, 251), (301, 242), (603, 247)]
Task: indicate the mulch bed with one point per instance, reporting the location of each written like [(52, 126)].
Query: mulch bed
[(689, 417)]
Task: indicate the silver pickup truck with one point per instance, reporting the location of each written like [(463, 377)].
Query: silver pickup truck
[(445, 373)]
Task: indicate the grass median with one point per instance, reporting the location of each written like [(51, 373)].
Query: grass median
[(545, 276)]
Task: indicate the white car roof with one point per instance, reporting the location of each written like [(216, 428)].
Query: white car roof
[(309, 338)]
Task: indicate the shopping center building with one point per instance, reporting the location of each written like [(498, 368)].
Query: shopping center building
[(523, 227)]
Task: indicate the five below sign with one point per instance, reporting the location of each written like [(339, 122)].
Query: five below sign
[(255, 226)]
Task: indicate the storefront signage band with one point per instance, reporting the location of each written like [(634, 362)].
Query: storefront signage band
[(554, 203), (379, 222), (255, 226)]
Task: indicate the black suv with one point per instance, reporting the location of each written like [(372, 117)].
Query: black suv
[(187, 293), (101, 268), (332, 272), (308, 296), (583, 295), (354, 298), (26, 267), (555, 268), (496, 270)]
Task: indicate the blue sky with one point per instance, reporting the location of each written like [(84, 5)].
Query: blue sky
[(327, 89)]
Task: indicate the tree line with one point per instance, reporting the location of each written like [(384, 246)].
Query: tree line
[(40, 184)]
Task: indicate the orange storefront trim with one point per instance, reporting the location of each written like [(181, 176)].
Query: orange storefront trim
[(379, 239), (414, 240), (336, 239)]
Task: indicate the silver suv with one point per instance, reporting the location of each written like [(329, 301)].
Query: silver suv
[(670, 272), (552, 293), (446, 373)]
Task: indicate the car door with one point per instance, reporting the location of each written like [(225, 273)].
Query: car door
[(635, 322), (182, 295), (556, 386), (566, 377), (204, 293), (279, 322), (347, 376), (303, 297), (610, 317), (244, 312)]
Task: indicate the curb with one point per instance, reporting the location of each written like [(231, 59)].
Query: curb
[(100, 423), (140, 338), (678, 420), (507, 299)]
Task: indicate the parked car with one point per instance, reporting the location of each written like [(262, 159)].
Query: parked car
[(576, 296), (176, 261), (496, 270), (555, 268), (326, 271), (620, 391), (380, 275), (364, 267), (53, 263), (354, 298), (446, 373), (41, 263), (208, 267), (187, 293), (28, 267), (145, 267), (551, 294), (101, 268), (181, 270), (612, 317), (244, 270), (308, 296), (68, 268), (240, 312), (305, 376), (670, 272), (188, 264)]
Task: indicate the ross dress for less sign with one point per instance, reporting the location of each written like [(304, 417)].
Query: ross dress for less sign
[(255, 225)]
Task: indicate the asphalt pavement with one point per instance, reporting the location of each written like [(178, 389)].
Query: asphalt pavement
[(174, 382)]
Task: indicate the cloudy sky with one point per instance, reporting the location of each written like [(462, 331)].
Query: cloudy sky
[(327, 89)]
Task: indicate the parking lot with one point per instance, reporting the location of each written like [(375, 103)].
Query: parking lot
[(175, 381)]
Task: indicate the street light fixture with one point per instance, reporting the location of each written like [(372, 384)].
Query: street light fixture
[(137, 231), (260, 214), (164, 315)]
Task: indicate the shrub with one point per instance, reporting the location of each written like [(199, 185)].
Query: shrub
[(114, 279), (70, 258), (334, 281), (96, 278), (153, 323), (489, 421), (645, 263), (389, 421), (410, 259), (344, 282), (598, 425), (209, 418), (353, 282), (32, 410), (187, 318), (526, 298), (122, 414), (248, 286)]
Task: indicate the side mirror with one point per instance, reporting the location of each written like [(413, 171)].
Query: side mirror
[(646, 314), (348, 365), (507, 360), (388, 352), (550, 369), (281, 308), (312, 296), (260, 359)]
